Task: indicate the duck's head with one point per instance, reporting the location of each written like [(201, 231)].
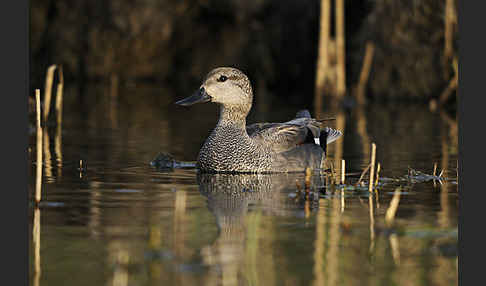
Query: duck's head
[(225, 85)]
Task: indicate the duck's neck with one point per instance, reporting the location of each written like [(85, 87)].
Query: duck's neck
[(233, 116)]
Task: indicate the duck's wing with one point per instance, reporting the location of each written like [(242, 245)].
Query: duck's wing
[(285, 136), (282, 137), (259, 127), (300, 119)]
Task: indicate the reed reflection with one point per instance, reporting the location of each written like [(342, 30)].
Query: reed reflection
[(36, 242), (239, 253)]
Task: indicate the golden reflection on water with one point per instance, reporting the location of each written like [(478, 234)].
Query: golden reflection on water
[(58, 149), (119, 257), (36, 241), (372, 222), (319, 244), (334, 240), (47, 156), (238, 248)]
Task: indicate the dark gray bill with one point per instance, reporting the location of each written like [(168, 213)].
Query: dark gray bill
[(199, 96)]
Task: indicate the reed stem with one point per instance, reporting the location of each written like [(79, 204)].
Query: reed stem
[(340, 52), (59, 94), (372, 170), (365, 73), (343, 171), (38, 181), (48, 91), (363, 174), (323, 57)]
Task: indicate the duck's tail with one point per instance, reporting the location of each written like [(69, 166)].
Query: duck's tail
[(329, 135)]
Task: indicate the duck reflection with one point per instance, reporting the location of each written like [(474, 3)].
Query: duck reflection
[(238, 202)]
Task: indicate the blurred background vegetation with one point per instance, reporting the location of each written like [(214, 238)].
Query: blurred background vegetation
[(175, 43)]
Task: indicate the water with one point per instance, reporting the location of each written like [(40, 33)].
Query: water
[(118, 221)]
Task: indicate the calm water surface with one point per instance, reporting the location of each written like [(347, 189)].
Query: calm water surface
[(117, 221)]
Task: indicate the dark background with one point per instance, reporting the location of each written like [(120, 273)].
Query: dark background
[(175, 43)]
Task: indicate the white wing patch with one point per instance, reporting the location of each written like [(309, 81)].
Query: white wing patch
[(317, 141)]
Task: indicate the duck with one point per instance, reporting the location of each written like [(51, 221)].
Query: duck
[(235, 147)]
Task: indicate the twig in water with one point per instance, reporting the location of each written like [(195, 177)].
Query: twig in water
[(363, 174), (435, 170), (377, 174)]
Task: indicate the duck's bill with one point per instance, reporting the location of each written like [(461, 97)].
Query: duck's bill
[(199, 96)]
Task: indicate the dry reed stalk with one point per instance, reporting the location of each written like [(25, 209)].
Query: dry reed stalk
[(377, 174), (449, 89), (339, 144), (323, 57), (448, 29), (38, 181), (343, 173), (60, 87), (48, 91), (340, 53), (365, 72), (372, 170), (392, 209), (363, 174)]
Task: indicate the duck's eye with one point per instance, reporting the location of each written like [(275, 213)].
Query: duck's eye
[(222, 78)]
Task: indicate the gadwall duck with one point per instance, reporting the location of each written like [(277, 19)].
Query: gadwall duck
[(234, 147)]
